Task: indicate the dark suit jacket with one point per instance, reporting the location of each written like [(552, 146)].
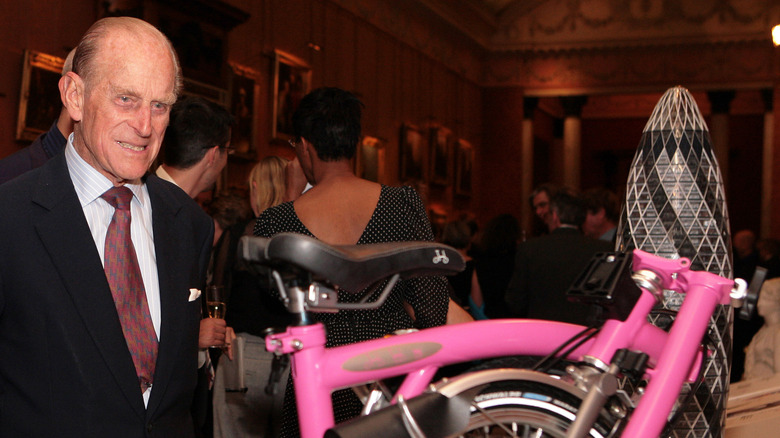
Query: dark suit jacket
[(65, 369), (545, 267), (44, 147)]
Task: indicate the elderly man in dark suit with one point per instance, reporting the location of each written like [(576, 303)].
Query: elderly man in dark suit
[(546, 266), (101, 264)]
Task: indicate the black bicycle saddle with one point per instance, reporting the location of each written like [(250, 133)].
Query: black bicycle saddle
[(352, 267)]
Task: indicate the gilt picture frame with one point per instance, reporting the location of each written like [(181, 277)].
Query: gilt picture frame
[(441, 156), (464, 164), (292, 80), (39, 97), (243, 95), (412, 147), (370, 159)]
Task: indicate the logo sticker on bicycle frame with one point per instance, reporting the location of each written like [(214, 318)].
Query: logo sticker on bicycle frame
[(391, 356), (441, 257)]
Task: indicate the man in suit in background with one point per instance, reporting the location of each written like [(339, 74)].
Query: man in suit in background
[(602, 213), (45, 146), (546, 266), (540, 203), (71, 363), (196, 146), (195, 151)]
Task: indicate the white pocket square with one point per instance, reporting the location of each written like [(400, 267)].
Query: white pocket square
[(194, 294)]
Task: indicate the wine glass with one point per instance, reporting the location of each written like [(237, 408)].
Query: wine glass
[(216, 305), (215, 301)]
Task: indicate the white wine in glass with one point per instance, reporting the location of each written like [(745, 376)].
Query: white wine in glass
[(215, 301), (216, 309)]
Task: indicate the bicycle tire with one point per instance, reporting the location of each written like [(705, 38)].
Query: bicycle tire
[(527, 403), (528, 409)]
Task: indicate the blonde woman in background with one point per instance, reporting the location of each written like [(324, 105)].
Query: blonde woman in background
[(242, 408), (267, 184)]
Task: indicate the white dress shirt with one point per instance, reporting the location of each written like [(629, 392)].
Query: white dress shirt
[(89, 185)]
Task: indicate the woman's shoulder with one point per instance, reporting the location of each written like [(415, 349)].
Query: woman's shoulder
[(404, 194), (277, 219), (280, 210)]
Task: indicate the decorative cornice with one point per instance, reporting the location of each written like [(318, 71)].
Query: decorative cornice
[(740, 64), (587, 24)]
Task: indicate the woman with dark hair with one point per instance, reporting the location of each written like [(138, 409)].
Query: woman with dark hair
[(342, 209)]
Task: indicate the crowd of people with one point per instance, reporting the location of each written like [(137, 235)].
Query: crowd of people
[(83, 326), (509, 276)]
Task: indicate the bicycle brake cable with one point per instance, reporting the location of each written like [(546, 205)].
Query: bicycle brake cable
[(553, 355)]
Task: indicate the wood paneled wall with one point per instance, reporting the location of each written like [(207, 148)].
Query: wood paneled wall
[(397, 82)]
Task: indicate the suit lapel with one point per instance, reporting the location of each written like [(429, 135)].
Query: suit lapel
[(167, 234), (65, 234)]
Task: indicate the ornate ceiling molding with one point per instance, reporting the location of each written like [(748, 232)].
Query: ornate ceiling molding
[(740, 64), (587, 24)]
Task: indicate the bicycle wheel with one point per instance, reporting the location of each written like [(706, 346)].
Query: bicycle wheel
[(539, 407)]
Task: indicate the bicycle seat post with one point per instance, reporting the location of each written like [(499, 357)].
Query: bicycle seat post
[(297, 306), (294, 297)]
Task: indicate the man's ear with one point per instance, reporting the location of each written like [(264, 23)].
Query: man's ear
[(212, 155), (72, 94)]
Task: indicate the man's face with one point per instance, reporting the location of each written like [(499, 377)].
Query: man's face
[(125, 106), (593, 223), (541, 203)]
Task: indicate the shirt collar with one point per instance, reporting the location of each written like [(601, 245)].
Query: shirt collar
[(163, 174), (88, 182)]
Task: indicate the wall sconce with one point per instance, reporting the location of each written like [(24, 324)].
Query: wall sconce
[(776, 35)]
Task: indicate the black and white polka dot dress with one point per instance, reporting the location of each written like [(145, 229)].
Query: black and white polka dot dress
[(399, 216)]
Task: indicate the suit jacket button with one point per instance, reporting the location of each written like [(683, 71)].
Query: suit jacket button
[(149, 427)]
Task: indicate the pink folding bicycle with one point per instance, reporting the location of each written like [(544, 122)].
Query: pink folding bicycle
[(583, 401)]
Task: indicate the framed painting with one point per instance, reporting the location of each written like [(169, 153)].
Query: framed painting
[(192, 87), (412, 151), (441, 156), (292, 80), (463, 168), (39, 97), (370, 159), (243, 83)]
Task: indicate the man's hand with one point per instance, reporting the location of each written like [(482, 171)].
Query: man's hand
[(230, 341), (212, 332)]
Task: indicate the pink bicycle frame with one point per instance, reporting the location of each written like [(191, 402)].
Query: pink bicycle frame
[(318, 371)]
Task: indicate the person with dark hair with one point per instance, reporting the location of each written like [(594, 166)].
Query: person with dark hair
[(540, 203), (546, 266), (195, 150), (464, 286), (494, 260), (196, 146), (102, 265), (601, 214), (343, 209), (769, 256)]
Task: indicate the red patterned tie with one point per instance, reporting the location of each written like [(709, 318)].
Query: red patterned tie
[(127, 287)]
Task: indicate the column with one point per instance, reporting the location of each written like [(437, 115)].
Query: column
[(766, 163), (572, 139), (527, 167), (720, 101)]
